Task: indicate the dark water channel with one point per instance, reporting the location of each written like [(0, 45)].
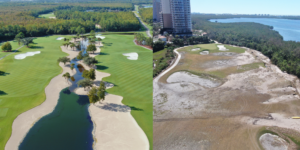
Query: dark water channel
[(68, 127)]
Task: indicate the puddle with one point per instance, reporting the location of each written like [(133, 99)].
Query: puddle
[(273, 142), (23, 56), (184, 77), (132, 56)]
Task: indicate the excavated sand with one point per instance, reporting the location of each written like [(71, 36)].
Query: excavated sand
[(222, 48), (204, 52), (273, 142), (248, 95)]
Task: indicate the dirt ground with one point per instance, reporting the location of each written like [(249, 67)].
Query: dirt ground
[(188, 115)]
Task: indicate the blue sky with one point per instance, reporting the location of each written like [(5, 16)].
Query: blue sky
[(274, 7)]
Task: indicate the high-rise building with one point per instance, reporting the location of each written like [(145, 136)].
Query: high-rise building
[(176, 15), (156, 10)]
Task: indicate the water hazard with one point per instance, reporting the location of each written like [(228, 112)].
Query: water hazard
[(69, 126)]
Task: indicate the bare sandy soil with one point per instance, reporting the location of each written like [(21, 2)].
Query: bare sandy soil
[(273, 142), (227, 116)]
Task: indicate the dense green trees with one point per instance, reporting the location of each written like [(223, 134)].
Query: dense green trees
[(6, 47), (90, 61), (141, 39), (23, 17), (91, 48), (284, 54), (19, 37), (85, 83), (63, 60), (109, 21), (147, 15), (91, 74), (96, 95)]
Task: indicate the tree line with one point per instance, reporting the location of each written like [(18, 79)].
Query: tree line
[(109, 21), (23, 17), (284, 54), (146, 15)]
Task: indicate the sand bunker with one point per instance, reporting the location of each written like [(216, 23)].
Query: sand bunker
[(186, 77), (99, 36), (204, 52), (272, 142), (132, 56), (60, 38), (195, 49), (22, 56), (222, 48)]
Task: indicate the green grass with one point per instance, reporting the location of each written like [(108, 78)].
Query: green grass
[(47, 15), (159, 54), (23, 86), (3, 112), (14, 46), (212, 48), (132, 78)]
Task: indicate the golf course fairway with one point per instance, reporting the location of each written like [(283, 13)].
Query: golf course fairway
[(23, 85), (132, 78)]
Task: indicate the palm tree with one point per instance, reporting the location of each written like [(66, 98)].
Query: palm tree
[(67, 76), (99, 39)]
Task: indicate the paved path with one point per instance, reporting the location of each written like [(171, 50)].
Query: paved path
[(148, 30), (11, 52)]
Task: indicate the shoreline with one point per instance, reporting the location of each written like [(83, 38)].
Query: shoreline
[(112, 120), (24, 122)]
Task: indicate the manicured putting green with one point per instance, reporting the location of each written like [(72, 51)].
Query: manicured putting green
[(132, 78), (24, 84)]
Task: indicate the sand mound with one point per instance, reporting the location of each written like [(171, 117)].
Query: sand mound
[(60, 38), (99, 36), (186, 77), (222, 48), (204, 52), (23, 56), (132, 56), (195, 49), (272, 142)]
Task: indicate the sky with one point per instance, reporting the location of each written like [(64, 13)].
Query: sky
[(272, 7)]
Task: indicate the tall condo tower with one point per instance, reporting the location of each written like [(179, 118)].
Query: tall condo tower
[(176, 15), (156, 10)]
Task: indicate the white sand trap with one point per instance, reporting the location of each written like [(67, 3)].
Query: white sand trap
[(222, 48), (273, 142), (186, 77), (60, 38), (23, 56), (132, 56), (196, 49), (204, 52), (99, 36)]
